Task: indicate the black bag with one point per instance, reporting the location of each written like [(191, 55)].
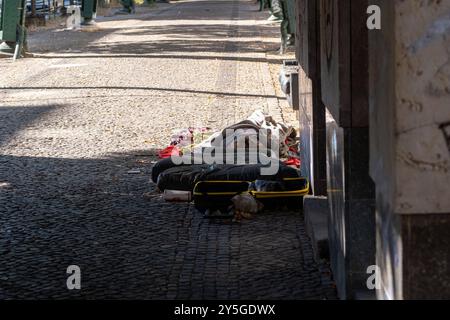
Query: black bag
[(217, 195), (287, 187), (289, 190)]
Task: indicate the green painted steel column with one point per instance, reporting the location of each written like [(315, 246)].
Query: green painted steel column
[(88, 11), (287, 24), (10, 20), (290, 8)]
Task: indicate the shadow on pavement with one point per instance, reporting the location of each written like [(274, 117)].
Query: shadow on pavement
[(233, 94), (130, 244), (15, 118)]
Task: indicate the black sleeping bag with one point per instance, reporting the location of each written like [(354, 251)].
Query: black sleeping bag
[(185, 177), (181, 177), (160, 167)]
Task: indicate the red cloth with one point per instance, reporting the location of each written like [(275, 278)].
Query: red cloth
[(168, 152), (294, 159), (292, 162)]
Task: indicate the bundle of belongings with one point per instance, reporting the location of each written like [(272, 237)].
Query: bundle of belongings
[(236, 171), (184, 139)]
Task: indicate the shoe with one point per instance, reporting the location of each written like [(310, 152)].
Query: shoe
[(273, 18), (290, 42)]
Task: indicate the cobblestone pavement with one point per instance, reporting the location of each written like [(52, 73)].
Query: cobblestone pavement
[(90, 107)]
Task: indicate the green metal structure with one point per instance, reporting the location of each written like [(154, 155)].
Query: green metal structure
[(12, 26), (284, 11), (291, 17), (88, 11)]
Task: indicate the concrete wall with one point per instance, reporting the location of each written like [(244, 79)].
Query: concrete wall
[(399, 104), (410, 151), (306, 125), (422, 105), (312, 110)]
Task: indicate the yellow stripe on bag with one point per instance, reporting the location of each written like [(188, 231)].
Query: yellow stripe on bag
[(257, 194), (281, 194)]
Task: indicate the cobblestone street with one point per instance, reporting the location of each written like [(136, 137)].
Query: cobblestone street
[(91, 106)]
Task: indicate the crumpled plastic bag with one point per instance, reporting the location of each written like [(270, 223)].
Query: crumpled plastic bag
[(245, 206)]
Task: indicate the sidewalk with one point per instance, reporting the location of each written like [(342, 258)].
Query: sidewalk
[(90, 107)]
